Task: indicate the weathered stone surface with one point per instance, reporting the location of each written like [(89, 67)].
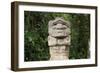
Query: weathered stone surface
[(52, 41), (59, 53), (59, 39)]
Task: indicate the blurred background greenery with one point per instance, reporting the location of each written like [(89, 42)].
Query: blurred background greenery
[(36, 33)]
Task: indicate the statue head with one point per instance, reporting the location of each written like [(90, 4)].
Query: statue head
[(59, 28)]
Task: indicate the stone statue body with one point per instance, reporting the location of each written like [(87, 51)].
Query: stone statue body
[(59, 39)]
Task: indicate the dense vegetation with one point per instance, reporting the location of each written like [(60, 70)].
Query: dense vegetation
[(36, 33)]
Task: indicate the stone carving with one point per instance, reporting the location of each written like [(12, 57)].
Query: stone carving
[(59, 39)]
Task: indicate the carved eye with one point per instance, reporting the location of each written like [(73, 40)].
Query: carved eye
[(64, 23), (54, 23)]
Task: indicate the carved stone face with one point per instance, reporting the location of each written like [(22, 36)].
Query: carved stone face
[(59, 28)]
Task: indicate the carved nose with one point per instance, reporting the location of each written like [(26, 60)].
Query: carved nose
[(60, 26)]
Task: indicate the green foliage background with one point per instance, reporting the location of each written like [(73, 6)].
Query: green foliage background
[(36, 33)]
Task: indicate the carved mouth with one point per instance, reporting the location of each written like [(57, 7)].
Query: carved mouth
[(59, 31), (62, 28)]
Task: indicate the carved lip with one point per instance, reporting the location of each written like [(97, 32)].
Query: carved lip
[(60, 28), (60, 31)]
